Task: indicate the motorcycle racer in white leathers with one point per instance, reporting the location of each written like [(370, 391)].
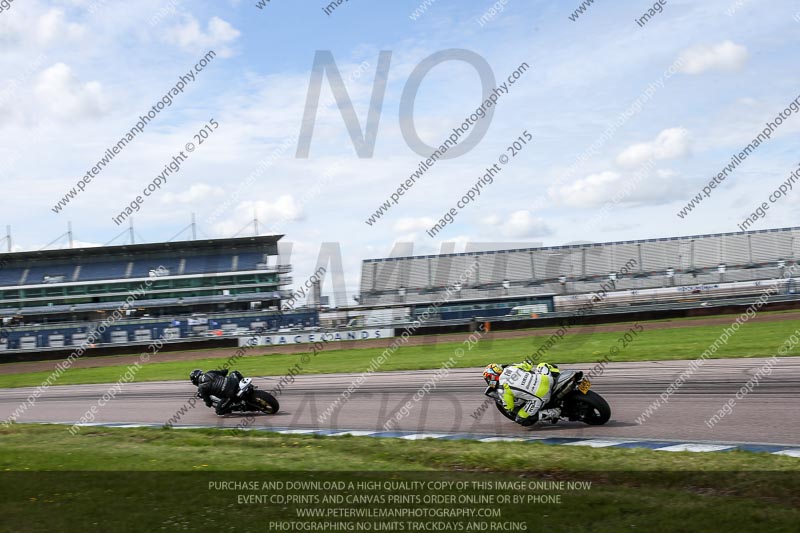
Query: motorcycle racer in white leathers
[(525, 389)]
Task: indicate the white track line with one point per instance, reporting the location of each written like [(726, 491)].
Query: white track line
[(597, 443), (356, 433), (421, 436), (695, 448), (790, 453)]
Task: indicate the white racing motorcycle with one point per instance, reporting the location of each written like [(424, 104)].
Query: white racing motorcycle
[(572, 395)]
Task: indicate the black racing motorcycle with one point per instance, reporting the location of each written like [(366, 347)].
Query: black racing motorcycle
[(572, 394), (249, 398)]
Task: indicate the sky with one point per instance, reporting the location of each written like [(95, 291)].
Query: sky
[(627, 122)]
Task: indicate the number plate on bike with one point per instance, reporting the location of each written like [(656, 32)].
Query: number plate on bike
[(584, 386)]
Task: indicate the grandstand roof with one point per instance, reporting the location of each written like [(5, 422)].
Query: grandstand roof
[(127, 250), (580, 268), (584, 245)]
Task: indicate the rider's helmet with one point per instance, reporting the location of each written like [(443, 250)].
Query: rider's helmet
[(195, 376), (492, 374)]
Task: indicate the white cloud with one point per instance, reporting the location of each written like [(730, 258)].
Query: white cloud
[(413, 224), (519, 224), (218, 35), (669, 144), (62, 94), (590, 191), (61, 245), (640, 188), (82, 244), (196, 193), (408, 229), (31, 26), (53, 26), (282, 209), (665, 173), (726, 56)]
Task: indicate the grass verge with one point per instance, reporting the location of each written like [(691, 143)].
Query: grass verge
[(754, 339), (153, 479)]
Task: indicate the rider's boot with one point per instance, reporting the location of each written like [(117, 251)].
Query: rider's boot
[(551, 415), (223, 407)]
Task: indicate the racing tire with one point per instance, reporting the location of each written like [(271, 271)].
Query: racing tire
[(505, 413), (590, 408), (265, 402)]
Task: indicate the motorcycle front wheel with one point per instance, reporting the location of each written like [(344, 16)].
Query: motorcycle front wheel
[(505, 413), (265, 402), (590, 408)]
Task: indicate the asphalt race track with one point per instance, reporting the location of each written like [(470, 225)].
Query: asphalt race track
[(768, 414)]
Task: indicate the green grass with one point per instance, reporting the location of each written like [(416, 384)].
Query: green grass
[(152, 479), (755, 339), (51, 447)]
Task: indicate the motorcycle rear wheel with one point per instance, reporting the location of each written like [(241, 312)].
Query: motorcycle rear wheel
[(265, 402)]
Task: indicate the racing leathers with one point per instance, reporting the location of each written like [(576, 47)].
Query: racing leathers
[(525, 389), (218, 383)]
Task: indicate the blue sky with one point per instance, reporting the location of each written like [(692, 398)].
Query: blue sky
[(76, 74)]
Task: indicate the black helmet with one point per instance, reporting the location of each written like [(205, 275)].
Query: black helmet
[(195, 376)]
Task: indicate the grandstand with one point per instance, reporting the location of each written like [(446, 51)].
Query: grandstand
[(556, 272), (182, 290), (192, 290)]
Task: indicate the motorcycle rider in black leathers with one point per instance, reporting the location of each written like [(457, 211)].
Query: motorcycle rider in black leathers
[(217, 383)]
